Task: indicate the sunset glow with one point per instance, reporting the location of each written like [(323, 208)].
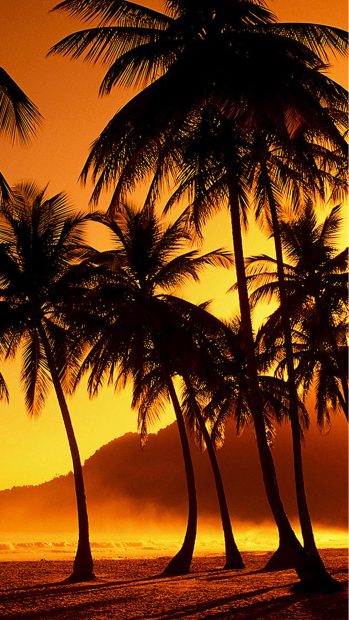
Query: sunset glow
[(173, 309), (67, 96)]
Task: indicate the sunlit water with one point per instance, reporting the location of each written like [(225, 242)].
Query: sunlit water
[(149, 544)]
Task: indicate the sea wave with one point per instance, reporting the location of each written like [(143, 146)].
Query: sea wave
[(62, 546)]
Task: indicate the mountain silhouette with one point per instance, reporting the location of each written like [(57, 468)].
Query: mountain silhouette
[(127, 485)]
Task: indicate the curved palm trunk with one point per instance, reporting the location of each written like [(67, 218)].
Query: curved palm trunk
[(303, 511), (83, 563), (180, 564), (233, 557), (312, 575)]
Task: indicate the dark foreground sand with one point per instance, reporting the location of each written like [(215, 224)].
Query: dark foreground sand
[(128, 589)]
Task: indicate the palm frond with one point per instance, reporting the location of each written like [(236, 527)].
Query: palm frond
[(114, 11), (19, 116), (318, 37), (35, 375)]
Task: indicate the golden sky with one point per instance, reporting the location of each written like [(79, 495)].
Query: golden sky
[(66, 93)]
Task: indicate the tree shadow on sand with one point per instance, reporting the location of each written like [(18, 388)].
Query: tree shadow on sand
[(135, 599)]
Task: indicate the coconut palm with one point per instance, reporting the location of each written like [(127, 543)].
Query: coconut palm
[(39, 243), (198, 340), (210, 182), (317, 368), (191, 406), (19, 117), (224, 394), (258, 73), (274, 169), (316, 284), (135, 322)]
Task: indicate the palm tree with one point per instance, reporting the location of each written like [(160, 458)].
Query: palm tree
[(285, 321), (19, 117), (233, 557), (135, 322), (224, 394), (316, 368), (39, 244), (316, 285), (210, 181), (199, 339), (274, 169), (258, 73)]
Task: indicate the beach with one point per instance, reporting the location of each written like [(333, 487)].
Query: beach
[(132, 588)]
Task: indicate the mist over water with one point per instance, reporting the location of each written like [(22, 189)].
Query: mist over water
[(151, 543)]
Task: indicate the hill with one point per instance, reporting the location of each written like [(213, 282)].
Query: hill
[(126, 484)]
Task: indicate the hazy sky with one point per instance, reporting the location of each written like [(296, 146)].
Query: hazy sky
[(66, 93)]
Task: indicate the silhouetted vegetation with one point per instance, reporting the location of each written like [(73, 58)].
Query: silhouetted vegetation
[(234, 111)]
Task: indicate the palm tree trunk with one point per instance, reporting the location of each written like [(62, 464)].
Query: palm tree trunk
[(180, 564), (233, 557), (311, 574), (303, 511), (83, 563)]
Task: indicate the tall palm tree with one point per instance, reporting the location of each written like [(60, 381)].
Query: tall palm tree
[(233, 557), (260, 75), (19, 117), (210, 180), (39, 249), (274, 168), (130, 336), (226, 394), (198, 339)]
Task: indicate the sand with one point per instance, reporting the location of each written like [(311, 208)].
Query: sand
[(129, 589)]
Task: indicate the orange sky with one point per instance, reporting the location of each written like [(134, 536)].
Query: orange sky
[(66, 93)]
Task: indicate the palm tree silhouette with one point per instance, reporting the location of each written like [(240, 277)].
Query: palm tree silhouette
[(225, 170), (19, 117), (315, 365), (39, 243), (316, 285), (233, 557), (216, 387), (130, 337), (198, 339), (261, 75), (273, 168)]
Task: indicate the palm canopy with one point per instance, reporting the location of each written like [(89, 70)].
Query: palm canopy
[(41, 247), (140, 43), (319, 369), (259, 74), (316, 271), (217, 155), (221, 387), (134, 311), (39, 243), (316, 277)]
